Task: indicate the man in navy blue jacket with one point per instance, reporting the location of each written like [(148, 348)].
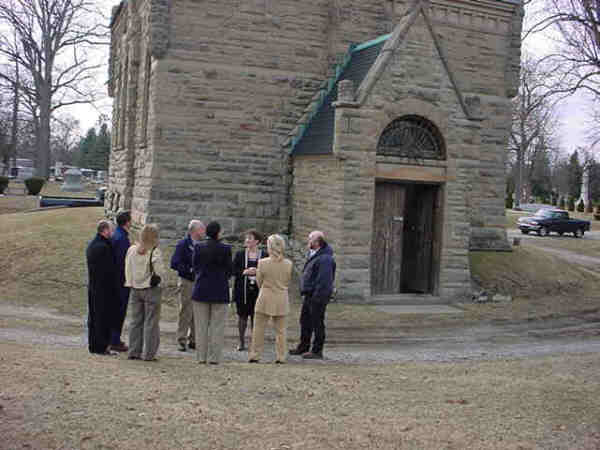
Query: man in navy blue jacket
[(182, 262), (316, 285), (120, 244)]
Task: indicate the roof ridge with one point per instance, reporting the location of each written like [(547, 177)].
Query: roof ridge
[(314, 107)]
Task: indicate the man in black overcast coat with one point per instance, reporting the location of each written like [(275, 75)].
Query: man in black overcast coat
[(103, 294)]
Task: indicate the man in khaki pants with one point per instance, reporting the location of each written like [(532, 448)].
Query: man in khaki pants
[(182, 263)]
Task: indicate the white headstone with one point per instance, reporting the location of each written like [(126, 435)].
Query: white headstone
[(585, 188), (72, 181)]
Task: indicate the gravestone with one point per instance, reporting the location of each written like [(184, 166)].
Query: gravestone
[(72, 181)]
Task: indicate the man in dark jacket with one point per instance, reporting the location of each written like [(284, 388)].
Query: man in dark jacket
[(120, 243), (182, 262), (316, 285), (102, 289)]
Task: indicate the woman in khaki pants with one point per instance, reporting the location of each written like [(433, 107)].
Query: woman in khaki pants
[(273, 276), (143, 259)]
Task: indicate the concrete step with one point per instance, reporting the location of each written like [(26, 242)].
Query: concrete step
[(408, 299)]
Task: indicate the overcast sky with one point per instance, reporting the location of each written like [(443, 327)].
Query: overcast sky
[(574, 113)]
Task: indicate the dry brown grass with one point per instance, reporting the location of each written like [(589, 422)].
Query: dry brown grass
[(44, 265), (585, 246), (63, 398), (542, 285)]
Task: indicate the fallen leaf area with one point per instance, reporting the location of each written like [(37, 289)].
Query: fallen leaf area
[(66, 398)]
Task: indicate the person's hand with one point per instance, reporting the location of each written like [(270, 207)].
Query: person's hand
[(251, 271)]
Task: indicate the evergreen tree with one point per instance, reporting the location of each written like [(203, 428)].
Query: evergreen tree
[(99, 158), (87, 147), (575, 173)]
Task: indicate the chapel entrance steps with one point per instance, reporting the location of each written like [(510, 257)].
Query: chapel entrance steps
[(414, 304), (408, 299)]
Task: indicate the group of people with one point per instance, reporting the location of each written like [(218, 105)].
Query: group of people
[(122, 275)]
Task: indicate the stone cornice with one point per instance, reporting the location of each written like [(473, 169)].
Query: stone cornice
[(490, 16)]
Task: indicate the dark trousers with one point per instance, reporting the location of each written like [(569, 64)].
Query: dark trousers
[(312, 321), (98, 325), (115, 333)]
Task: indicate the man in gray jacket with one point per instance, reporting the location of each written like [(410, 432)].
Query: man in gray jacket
[(316, 286)]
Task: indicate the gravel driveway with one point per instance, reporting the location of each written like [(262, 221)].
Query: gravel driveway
[(483, 342)]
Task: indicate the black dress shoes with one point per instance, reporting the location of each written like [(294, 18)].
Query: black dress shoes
[(298, 351)]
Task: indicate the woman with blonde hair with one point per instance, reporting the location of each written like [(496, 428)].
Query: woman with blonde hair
[(273, 275), (143, 270)]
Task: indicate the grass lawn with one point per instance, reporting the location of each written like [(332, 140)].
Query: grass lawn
[(54, 397), (44, 265)]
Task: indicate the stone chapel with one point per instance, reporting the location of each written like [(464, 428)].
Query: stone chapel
[(383, 123)]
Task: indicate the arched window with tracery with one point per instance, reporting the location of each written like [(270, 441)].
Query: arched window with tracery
[(412, 137)]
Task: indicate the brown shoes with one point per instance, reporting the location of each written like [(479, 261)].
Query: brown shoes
[(311, 355)]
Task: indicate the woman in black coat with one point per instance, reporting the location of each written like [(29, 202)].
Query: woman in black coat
[(245, 290), (212, 266)]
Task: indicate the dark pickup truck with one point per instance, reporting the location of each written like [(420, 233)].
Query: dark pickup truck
[(546, 221)]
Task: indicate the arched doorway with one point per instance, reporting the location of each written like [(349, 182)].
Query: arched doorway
[(407, 212)]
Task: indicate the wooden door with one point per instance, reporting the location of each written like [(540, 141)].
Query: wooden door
[(419, 238), (388, 227)]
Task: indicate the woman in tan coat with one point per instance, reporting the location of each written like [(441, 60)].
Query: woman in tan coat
[(143, 259), (273, 276)]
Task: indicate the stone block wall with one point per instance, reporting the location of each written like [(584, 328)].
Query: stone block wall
[(207, 103), (205, 93), (459, 84)]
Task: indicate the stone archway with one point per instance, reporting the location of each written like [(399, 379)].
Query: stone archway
[(406, 215)]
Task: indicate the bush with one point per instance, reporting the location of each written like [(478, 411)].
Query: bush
[(571, 204), (554, 202), (561, 203), (3, 184), (580, 206), (34, 185), (509, 201)]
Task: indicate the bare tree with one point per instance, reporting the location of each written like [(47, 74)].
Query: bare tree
[(50, 41), (534, 121), (575, 26), (65, 139)]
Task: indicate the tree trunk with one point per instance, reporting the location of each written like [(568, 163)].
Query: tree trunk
[(43, 141), (519, 178), (15, 117)]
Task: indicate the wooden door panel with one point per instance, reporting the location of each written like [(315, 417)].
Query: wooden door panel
[(422, 235), (386, 253)]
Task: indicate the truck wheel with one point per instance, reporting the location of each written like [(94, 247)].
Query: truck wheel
[(578, 233), (525, 231), (560, 233), (543, 231)]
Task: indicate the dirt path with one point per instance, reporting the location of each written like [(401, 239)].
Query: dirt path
[(579, 334)]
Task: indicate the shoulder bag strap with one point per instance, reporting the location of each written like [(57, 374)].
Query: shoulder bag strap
[(151, 266)]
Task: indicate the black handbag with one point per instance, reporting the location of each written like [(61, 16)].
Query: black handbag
[(154, 279)]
